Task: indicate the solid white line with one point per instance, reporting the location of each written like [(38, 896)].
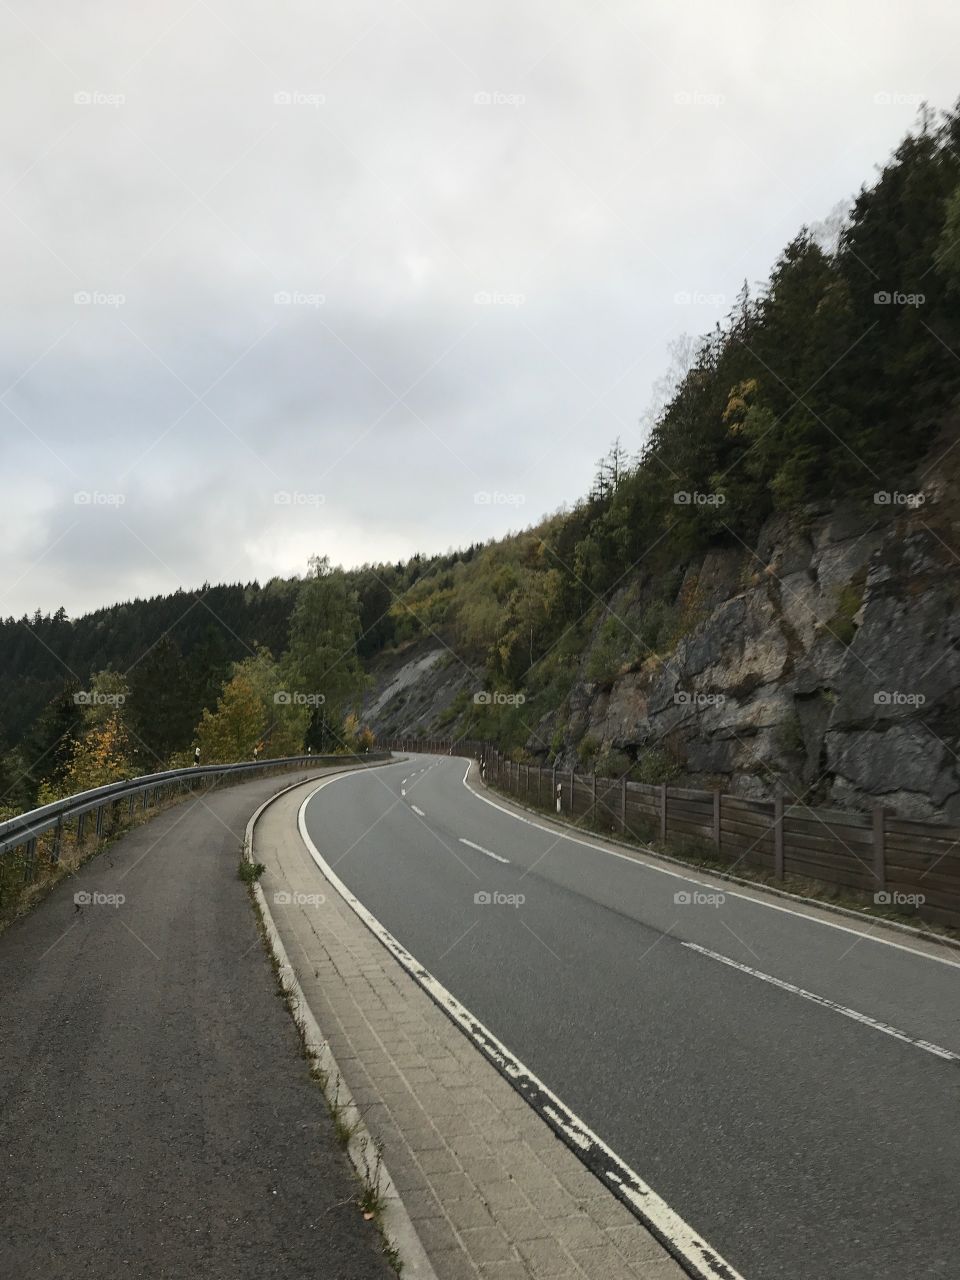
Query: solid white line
[(481, 849), (418, 812), (723, 887), (863, 1018), (666, 1223)]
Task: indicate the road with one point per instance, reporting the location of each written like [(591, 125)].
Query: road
[(156, 1117), (786, 1084)]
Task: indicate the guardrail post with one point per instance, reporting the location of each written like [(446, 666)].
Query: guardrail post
[(30, 860), (716, 818), (879, 848), (593, 798), (663, 811), (57, 840), (81, 823), (99, 828), (573, 793), (623, 805), (539, 786), (778, 836)]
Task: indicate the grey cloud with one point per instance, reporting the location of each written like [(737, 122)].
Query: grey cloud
[(623, 170)]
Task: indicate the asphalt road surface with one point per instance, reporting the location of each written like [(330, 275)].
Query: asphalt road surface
[(785, 1085), (156, 1119)]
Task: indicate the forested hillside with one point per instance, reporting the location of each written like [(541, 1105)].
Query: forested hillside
[(835, 382)]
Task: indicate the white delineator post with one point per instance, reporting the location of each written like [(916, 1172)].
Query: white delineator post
[(559, 796)]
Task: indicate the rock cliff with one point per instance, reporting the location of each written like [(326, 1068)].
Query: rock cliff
[(823, 661)]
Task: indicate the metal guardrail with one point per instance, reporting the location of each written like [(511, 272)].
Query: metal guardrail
[(25, 828)]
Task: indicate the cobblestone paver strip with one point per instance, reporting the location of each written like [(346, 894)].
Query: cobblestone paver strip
[(491, 1191)]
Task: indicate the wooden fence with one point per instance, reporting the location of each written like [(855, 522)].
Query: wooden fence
[(911, 866), (876, 856)]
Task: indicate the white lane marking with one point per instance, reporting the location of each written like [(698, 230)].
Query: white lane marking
[(418, 812), (403, 791), (670, 1228), (863, 1018), (480, 849), (723, 887)]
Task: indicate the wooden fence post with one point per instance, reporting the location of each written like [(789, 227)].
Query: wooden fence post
[(879, 848), (778, 836), (663, 811)]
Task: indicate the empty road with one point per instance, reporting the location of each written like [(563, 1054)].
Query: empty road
[(788, 1085)]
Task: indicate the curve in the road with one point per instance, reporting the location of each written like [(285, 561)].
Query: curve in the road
[(801, 1143), (700, 1260)]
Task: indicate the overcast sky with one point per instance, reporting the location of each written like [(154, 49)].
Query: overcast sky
[(373, 278)]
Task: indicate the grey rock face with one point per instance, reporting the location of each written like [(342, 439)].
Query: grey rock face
[(825, 665)]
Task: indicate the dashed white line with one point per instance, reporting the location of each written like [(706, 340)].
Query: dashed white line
[(863, 1018), (480, 849), (703, 1261), (418, 812)]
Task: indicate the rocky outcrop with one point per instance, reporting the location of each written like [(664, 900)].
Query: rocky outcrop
[(825, 663), (413, 690)]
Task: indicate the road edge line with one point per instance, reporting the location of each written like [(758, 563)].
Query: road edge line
[(394, 1220), (647, 857), (686, 1246)]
